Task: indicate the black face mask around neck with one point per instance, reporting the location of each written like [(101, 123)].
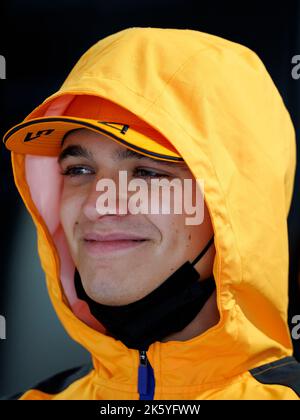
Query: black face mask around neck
[(167, 309)]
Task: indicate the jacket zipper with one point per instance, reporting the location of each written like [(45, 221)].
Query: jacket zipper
[(146, 383)]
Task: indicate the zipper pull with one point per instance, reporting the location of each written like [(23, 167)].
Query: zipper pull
[(143, 374)]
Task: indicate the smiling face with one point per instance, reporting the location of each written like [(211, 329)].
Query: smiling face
[(123, 257)]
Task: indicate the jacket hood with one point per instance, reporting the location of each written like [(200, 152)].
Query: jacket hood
[(215, 102)]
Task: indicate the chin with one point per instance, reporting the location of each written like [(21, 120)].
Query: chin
[(114, 299)]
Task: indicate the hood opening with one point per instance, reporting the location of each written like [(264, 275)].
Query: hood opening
[(39, 171)]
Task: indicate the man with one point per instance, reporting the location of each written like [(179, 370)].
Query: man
[(168, 310)]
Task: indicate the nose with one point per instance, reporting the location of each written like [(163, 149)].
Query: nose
[(105, 199)]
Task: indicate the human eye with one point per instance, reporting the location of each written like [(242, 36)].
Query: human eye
[(76, 170), (149, 173)]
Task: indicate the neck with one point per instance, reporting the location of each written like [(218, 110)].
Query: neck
[(205, 319)]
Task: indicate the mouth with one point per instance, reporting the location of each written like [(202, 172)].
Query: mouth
[(99, 244)]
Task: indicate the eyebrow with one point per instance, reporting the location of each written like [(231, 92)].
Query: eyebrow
[(119, 155), (129, 154), (76, 151)]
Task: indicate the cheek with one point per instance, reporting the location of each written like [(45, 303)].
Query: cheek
[(173, 232), (180, 242), (194, 237), (70, 206)]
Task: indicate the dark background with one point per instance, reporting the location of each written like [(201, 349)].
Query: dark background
[(41, 41)]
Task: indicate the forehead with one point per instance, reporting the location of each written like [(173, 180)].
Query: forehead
[(86, 143), (87, 137)]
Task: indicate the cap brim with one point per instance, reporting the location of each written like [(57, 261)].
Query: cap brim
[(44, 136)]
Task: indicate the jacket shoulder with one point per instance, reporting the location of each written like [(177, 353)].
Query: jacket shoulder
[(56, 383), (284, 372)]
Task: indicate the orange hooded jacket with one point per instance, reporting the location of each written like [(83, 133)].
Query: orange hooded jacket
[(215, 102)]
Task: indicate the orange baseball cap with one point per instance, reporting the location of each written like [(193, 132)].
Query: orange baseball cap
[(44, 135)]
